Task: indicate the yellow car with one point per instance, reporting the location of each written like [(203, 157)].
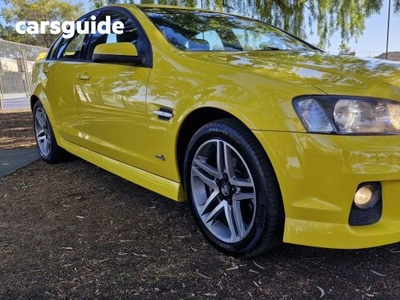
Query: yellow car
[(41, 56), (267, 137)]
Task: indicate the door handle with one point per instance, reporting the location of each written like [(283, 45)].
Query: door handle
[(84, 76)]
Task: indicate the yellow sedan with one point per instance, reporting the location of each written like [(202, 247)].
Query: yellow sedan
[(267, 137)]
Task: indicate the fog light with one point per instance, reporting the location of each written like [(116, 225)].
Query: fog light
[(367, 195)]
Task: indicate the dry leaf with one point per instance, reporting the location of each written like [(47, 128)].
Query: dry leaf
[(262, 268), (321, 291), (376, 273)]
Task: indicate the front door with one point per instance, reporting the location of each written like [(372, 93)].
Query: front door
[(111, 98)]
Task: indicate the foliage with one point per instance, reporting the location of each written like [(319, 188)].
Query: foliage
[(35, 10), (299, 17), (323, 16)]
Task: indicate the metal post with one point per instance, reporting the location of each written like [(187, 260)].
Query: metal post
[(388, 28), (1, 90), (25, 72)]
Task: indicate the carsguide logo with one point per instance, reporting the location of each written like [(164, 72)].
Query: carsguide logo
[(68, 28)]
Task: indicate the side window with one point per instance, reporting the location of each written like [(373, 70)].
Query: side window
[(130, 33), (53, 49), (69, 48), (212, 39), (72, 48)]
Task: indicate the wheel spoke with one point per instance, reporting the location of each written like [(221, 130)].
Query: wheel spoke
[(228, 162), (220, 158), (47, 145), (237, 214), (41, 139), (243, 196), (209, 201), (214, 214), (209, 182), (240, 182), (40, 133), (230, 220), (41, 118), (202, 164)]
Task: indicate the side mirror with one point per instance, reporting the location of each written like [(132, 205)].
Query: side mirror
[(116, 52)]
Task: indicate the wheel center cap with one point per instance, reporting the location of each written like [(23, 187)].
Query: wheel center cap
[(225, 189)]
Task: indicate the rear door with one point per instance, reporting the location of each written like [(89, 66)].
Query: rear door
[(59, 68)]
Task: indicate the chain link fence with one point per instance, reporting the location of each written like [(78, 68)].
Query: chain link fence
[(16, 62)]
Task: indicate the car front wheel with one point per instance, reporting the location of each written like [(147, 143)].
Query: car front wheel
[(232, 189)]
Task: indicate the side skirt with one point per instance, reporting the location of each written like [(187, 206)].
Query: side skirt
[(160, 185)]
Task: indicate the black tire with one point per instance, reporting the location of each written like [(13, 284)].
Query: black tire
[(44, 135), (235, 199)]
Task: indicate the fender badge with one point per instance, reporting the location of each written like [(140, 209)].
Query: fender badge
[(161, 157)]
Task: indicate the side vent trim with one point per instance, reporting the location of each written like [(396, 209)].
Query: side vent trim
[(164, 114)]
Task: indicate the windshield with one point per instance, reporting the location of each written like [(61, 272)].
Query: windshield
[(193, 30)]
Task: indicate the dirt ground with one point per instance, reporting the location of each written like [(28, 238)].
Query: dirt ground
[(74, 231), (16, 129)]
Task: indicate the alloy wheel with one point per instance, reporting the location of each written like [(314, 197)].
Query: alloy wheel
[(223, 191)]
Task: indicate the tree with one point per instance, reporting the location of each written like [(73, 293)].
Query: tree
[(8, 33), (35, 10), (325, 16)]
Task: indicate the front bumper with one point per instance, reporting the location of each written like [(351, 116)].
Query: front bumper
[(318, 176)]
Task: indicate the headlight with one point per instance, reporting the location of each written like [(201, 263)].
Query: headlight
[(348, 115)]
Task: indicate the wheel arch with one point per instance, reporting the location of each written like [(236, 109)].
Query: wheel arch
[(33, 101), (44, 101), (194, 121)]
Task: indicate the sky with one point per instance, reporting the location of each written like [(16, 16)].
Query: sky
[(373, 41)]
